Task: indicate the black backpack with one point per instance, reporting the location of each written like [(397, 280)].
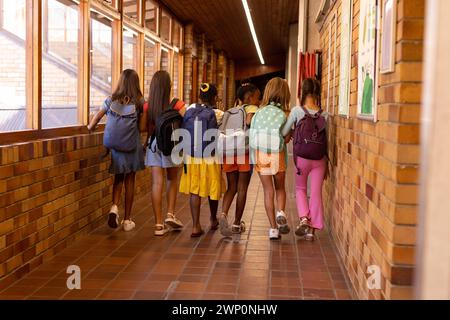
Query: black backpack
[(169, 121)]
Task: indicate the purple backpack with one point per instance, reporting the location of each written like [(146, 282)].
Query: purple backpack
[(310, 137)]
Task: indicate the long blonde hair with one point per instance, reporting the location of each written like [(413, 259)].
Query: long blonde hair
[(277, 91)]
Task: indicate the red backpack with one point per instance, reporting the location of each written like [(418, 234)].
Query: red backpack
[(310, 136)]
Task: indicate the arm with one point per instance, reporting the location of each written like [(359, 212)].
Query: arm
[(249, 118), (291, 120), (143, 119), (94, 122)]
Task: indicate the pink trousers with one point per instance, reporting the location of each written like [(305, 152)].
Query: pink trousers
[(313, 209)]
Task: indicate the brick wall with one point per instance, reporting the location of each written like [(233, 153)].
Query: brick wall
[(371, 196), (51, 193)]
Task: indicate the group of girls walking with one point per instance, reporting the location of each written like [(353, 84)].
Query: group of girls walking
[(202, 176)]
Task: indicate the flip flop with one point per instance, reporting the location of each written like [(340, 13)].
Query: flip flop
[(197, 234), (215, 226)]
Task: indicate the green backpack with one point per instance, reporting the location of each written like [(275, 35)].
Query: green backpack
[(265, 130)]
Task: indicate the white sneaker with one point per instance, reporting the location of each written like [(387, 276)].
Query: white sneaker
[(128, 225), (113, 217), (282, 222), (274, 234)]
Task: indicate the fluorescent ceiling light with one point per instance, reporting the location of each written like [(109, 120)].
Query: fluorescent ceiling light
[(252, 29)]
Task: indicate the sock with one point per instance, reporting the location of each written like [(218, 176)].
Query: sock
[(114, 209)]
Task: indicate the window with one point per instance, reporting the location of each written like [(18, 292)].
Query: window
[(176, 35), (131, 9), (165, 27), (151, 14), (150, 65), (176, 74), (12, 66), (101, 61), (129, 49), (165, 60), (59, 63)]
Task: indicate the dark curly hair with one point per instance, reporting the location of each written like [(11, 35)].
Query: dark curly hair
[(208, 92)]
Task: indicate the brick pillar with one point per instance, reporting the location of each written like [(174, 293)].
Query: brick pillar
[(214, 58), (209, 59), (231, 86), (222, 76), (202, 57), (188, 52)]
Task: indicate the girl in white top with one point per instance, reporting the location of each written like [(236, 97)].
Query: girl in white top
[(310, 212)]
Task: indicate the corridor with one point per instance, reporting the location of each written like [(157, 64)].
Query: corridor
[(137, 265)]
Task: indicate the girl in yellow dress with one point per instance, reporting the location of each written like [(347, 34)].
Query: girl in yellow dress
[(202, 174)]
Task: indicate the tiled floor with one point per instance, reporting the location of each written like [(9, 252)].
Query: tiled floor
[(137, 265)]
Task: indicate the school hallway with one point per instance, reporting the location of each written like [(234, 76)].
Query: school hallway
[(138, 265)]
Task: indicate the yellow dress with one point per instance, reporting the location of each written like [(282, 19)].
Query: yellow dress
[(203, 177)]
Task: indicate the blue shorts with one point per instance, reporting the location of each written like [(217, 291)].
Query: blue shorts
[(155, 158)]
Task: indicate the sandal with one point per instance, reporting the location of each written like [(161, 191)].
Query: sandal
[(161, 229), (238, 229), (173, 222), (282, 222), (224, 227), (302, 228), (215, 226)]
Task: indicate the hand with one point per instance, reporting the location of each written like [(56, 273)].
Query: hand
[(90, 129), (288, 138)]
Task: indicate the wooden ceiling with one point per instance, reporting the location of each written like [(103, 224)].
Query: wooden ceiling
[(224, 22)]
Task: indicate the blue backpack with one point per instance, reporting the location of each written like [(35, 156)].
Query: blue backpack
[(121, 127), (196, 116)]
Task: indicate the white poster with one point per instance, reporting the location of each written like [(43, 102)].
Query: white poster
[(387, 58), (345, 57), (367, 58)]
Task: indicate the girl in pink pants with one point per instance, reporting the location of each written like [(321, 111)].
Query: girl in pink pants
[(310, 212), (312, 209)]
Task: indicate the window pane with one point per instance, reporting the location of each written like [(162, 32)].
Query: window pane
[(176, 36), (165, 60), (150, 65), (101, 61), (176, 74), (59, 64), (129, 49), (165, 27), (151, 13), (12, 66), (130, 8)]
